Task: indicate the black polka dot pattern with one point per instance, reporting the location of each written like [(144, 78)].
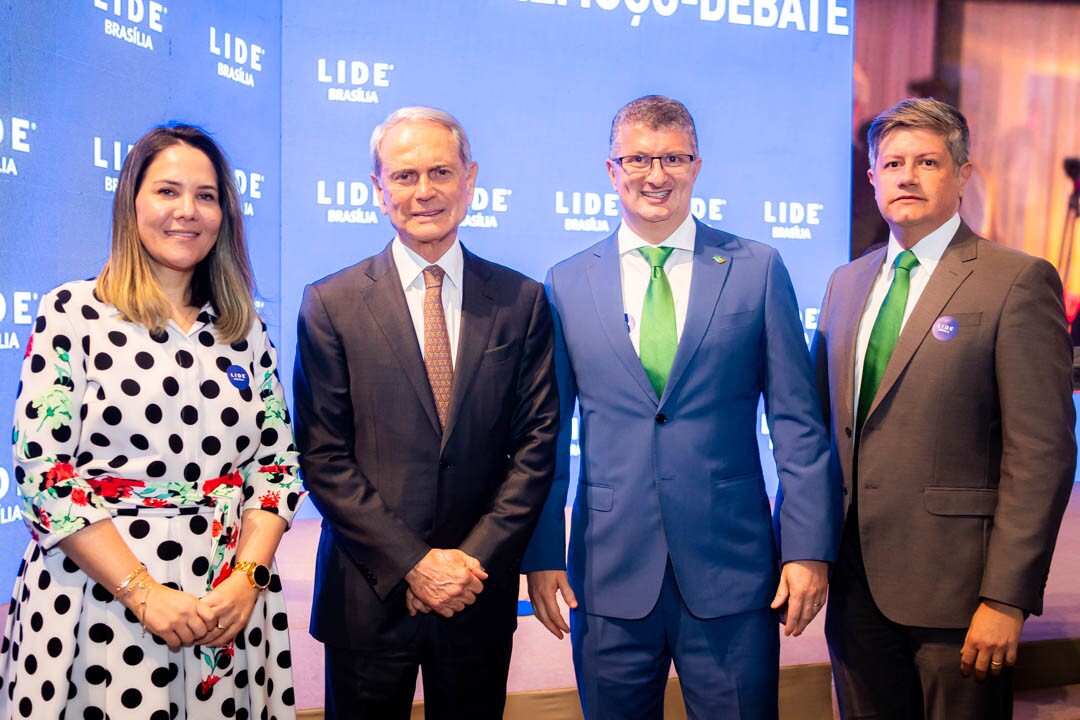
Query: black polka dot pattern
[(161, 427)]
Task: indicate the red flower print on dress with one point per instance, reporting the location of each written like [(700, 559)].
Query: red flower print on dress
[(58, 473), (156, 502), (270, 499), (226, 571), (114, 487), (215, 529), (232, 480), (275, 469), (208, 683), (43, 519), (79, 497), (29, 346)]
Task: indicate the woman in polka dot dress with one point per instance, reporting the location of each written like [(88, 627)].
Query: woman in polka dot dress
[(156, 466)]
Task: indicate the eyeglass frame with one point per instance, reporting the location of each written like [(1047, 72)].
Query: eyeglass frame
[(652, 159)]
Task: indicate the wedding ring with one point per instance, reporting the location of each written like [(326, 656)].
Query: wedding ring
[(220, 626), (996, 664)]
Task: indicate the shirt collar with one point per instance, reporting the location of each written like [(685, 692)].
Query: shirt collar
[(681, 239), (929, 250), (410, 265)]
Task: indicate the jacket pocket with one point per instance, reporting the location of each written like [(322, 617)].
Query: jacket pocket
[(963, 319), (719, 481), (979, 502), (598, 497), (496, 355), (735, 319)]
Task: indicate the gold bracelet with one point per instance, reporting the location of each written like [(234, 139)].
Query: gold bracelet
[(142, 609), (127, 580), (141, 585)]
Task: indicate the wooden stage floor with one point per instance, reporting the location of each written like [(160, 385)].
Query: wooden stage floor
[(541, 662)]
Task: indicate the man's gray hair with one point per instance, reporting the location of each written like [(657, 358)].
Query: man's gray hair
[(419, 113), (655, 112), (923, 114)]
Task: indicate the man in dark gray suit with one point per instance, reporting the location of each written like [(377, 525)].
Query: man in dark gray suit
[(943, 364), (426, 415)]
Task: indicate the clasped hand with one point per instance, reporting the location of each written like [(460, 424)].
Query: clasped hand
[(183, 620), (445, 581)]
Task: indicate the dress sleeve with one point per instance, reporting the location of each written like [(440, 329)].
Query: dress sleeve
[(56, 500), (272, 477)]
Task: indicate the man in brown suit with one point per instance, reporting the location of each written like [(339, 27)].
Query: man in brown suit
[(943, 363)]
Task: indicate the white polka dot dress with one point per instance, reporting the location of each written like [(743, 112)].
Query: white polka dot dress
[(172, 437)]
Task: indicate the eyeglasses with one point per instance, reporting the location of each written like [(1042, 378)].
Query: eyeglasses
[(643, 163)]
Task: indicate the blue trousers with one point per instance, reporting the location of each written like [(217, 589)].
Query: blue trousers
[(728, 666)]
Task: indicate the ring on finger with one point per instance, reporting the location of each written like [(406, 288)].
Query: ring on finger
[(219, 625), (996, 664)]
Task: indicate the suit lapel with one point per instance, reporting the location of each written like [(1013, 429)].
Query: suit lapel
[(846, 340), (605, 281), (711, 265), (951, 271), (478, 309), (387, 302)]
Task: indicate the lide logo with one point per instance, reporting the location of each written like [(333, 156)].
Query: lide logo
[(355, 81), (791, 219), (14, 136), (241, 59), (590, 211), (109, 155), (133, 21), (18, 308), (249, 184), (357, 202), (486, 206), (346, 201)]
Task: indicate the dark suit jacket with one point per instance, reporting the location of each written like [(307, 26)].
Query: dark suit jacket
[(389, 484), (967, 456)]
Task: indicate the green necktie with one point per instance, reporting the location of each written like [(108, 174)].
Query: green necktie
[(658, 339), (885, 333)]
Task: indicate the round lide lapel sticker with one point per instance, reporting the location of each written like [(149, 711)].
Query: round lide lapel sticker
[(945, 328), (238, 376)]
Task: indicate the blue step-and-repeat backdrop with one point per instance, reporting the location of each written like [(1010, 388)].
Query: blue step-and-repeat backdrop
[(293, 88)]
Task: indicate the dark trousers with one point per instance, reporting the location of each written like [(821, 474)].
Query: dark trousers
[(465, 660), (890, 671), (728, 666)]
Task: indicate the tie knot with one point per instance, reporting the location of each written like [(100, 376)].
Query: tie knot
[(656, 256), (433, 275), (906, 261)]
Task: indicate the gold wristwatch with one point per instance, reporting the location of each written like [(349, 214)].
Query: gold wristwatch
[(258, 575)]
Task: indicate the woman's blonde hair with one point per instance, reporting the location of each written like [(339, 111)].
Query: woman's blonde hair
[(223, 277)]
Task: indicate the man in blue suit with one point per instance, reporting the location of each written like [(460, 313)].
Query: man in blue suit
[(666, 334)]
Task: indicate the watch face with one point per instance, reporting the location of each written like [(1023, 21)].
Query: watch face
[(261, 575)]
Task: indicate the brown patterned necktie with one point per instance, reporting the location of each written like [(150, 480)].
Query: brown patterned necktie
[(440, 366)]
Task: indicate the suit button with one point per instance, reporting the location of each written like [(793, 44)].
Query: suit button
[(847, 432), (444, 464), (661, 418)]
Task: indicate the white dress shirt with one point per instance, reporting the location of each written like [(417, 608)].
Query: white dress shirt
[(928, 252), (410, 267), (637, 272)]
